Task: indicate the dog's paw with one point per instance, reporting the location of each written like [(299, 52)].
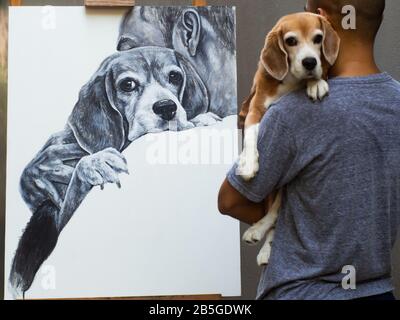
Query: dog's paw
[(206, 119), (317, 89), (102, 167), (248, 165), (253, 235), (264, 254), (186, 126)]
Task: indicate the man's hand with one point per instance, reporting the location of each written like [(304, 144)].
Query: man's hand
[(38, 178), (232, 203)]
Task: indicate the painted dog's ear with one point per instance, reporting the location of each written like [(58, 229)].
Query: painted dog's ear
[(194, 95), (331, 43), (95, 121), (274, 56)]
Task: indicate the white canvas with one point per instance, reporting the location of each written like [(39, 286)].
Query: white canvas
[(161, 233)]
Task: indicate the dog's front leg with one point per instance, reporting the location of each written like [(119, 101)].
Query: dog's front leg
[(317, 89), (39, 178), (93, 170), (248, 161)]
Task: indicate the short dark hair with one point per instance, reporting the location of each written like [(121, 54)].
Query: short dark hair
[(222, 18), (369, 13)]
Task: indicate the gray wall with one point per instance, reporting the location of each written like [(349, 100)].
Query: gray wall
[(255, 18)]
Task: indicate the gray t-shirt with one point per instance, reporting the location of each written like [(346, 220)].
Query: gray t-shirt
[(338, 162)]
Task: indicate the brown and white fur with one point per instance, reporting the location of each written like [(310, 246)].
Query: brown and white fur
[(297, 53)]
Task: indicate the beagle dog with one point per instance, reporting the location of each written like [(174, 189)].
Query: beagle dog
[(298, 53), (134, 92)]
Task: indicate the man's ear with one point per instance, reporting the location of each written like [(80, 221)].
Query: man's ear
[(322, 13), (95, 121), (194, 95), (189, 30)]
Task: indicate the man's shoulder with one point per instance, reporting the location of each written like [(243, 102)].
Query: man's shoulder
[(297, 97), (291, 107)]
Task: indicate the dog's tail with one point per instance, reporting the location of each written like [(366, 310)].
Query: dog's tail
[(36, 244)]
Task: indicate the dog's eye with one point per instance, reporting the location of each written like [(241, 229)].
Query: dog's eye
[(127, 85), (318, 39), (175, 78), (291, 41)]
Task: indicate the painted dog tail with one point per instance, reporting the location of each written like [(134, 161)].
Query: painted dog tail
[(36, 244)]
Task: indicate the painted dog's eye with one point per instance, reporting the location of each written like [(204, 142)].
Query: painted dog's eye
[(318, 39), (291, 41), (175, 78), (127, 85)]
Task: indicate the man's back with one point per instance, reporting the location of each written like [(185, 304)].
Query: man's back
[(341, 182)]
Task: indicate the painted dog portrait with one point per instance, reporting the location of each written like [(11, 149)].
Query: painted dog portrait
[(205, 36), (166, 81)]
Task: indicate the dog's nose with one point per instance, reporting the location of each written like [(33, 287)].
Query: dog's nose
[(310, 63), (166, 109)]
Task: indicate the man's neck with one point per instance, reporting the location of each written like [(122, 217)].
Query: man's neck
[(354, 60)]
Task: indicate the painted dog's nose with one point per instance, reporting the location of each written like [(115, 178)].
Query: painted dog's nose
[(166, 109), (310, 63)]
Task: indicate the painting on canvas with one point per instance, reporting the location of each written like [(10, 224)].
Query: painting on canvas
[(112, 169)]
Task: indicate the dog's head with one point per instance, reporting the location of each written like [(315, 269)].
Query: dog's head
[(135, 92), (299, 44)]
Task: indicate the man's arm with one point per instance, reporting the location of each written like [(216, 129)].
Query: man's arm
[(245, 200), (233, 203)]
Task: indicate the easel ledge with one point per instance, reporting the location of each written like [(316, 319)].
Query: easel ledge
[(178, 298), (92, 3), (109, 3)]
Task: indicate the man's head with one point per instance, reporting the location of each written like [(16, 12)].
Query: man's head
[(162, 26), (205, 36), (369, 15)]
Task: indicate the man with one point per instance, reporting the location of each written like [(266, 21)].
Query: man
[(204, 36), (339, 166)]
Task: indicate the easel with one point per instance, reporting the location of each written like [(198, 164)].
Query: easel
[(129, 3)]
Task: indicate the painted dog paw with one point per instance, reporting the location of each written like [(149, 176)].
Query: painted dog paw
[(102, 167), (206, 119)]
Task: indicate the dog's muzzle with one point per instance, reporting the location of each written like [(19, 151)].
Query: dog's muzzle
[(166, 109), (309, 63)]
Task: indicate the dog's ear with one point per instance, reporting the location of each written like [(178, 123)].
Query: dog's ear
[(244, 110), (331, 43), (274, 56), (95, 121), (194, 94)]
